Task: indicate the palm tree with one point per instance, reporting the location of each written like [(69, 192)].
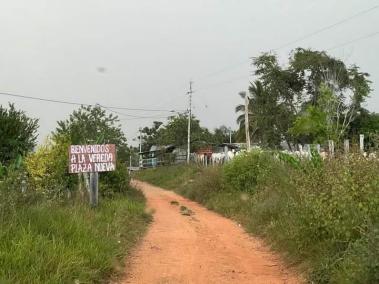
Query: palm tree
[(257, 95)]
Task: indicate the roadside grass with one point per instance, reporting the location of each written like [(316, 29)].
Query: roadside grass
[(323, 217), (46, 242), (169, 177)]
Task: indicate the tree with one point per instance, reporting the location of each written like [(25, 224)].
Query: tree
[(264, 111), (330, 117), (366, 123), (149, 135), (18, 134), (311, 125), (289, 91), (241, 110), (47, 167), (278, 102), (175, 132), (91, 125), (222, 135), (314, 68)]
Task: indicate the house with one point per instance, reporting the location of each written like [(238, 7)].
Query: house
[(159, 155)]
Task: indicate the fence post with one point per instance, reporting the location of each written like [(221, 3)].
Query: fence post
[(331, 148), (361, 142), (300, 147), (346, 146), (307, 149), (226, 158)]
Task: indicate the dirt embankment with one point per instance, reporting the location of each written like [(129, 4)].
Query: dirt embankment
[(187, 243)]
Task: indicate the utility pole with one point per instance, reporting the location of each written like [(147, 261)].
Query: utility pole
[(189, 123), (247, 122), (130, 156), (230, 136), (140, 148)]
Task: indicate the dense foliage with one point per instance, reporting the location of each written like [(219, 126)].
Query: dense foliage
[(174, 132), (92, 125), (367, 123), (18, 134), (315, 98), (323, 215)]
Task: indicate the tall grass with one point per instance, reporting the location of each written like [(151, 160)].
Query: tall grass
[(323, 216), (169, 177), (48, 242)]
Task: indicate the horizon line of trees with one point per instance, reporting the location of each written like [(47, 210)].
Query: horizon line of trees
[(313, 98)]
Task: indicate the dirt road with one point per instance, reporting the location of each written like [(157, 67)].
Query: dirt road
[(199, 247)]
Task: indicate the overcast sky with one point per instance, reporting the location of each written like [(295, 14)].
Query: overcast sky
[(142, 54)]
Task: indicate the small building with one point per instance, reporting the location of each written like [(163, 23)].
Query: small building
[(162, 155)]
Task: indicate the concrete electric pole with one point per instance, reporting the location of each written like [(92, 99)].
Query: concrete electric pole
[(189, 123), (140, 148), (247, 122)]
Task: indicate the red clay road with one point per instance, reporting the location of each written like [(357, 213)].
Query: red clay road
[(201, 248)]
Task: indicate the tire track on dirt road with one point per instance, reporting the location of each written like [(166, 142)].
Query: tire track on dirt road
[(199, 247)]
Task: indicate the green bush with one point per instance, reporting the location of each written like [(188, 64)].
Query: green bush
[(249, 170), (47, 169), (202, 184), (111, 183)]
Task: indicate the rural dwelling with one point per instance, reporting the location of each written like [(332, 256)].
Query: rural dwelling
[(162, 155)]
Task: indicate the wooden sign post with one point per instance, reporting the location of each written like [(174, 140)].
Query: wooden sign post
[(94, 189), (92, 159)]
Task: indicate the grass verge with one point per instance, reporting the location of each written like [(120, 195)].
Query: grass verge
[(46, 242)]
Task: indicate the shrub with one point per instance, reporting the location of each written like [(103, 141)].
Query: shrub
[(203, 184), (248, 170), (18, 134), (111, 183), (47, 169)]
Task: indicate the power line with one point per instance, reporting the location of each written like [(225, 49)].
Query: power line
[(83, 104), (144, 109), (354, 40), (328, 49), (146, 117), (328, 27), (363, 12), (121, 113), (133, 117), (42, 99)]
